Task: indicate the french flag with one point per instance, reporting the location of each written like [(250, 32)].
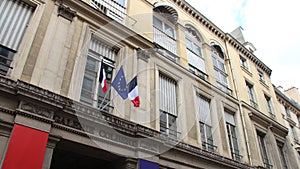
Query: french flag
[(133, 92), (102, 78)]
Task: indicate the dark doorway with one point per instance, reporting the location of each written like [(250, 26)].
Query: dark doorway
[(70, 155)]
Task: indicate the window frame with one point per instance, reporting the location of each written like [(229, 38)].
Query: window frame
[(169, 128), (282, 156), (251, 94), (163, 27), (232, 137), (21, 15), (195, 41), (220, 72), (294, 134), (269, 105), (205, 129), (93, 60), (244, 63), (261, 76), (263, 150), (162, 110)]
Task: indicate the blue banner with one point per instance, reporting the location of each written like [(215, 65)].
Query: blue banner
[(145, 164)]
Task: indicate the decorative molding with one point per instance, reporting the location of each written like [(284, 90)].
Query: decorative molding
[(66, 12), (36, 109), (143, 54), (266, 122), (200, 18), (241, 48)]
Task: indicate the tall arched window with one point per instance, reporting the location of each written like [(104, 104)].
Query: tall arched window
[(164, 20), (220, 69), (194, 51)]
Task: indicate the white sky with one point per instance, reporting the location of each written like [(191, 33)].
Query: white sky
[(272, 26)]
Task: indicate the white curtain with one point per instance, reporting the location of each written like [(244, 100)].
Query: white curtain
[(203, 110), (14, 18), (168, 97)]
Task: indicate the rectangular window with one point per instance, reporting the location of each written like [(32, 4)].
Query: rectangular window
[(282, 156), (263, 150), (244, 63), (287, 111), (232, 137), (14, 19), (250, 92), (168, 106), (91, 92), (205, 123), (295, 136), (269, 106), (261, 76)]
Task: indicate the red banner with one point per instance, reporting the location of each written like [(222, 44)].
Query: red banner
[(26, 148)]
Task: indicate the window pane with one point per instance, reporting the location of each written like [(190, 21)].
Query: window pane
[(215, 62), (189, 44), (169, 31), (163, 121), (222, 66), (157, 23), (202, 132), (6, 57), (172, 125), (87, 84), (91, 64), (197, 50), (217, 75), (121, 2)]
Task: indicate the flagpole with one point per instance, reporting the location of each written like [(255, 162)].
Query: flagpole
[(106, 93), (108, 103)]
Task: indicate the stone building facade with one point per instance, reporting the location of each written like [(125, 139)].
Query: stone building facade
[(206, 100)]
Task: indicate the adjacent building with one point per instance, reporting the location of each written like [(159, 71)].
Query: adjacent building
[(206, 100)]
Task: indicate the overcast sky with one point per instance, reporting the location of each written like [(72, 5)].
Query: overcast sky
[(273, 27)]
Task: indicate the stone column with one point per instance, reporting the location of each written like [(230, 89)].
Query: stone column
[(49, 151), (4, 138)]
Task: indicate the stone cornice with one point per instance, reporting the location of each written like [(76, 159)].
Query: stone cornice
[(200, 18), (220, 34), (241, 48), (283, 99)]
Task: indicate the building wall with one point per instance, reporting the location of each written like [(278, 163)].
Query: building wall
[(49, 67)]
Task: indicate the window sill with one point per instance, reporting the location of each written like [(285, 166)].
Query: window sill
[(246, 70), (264, 84)]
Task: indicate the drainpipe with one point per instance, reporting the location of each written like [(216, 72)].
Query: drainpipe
[(240, 105)]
